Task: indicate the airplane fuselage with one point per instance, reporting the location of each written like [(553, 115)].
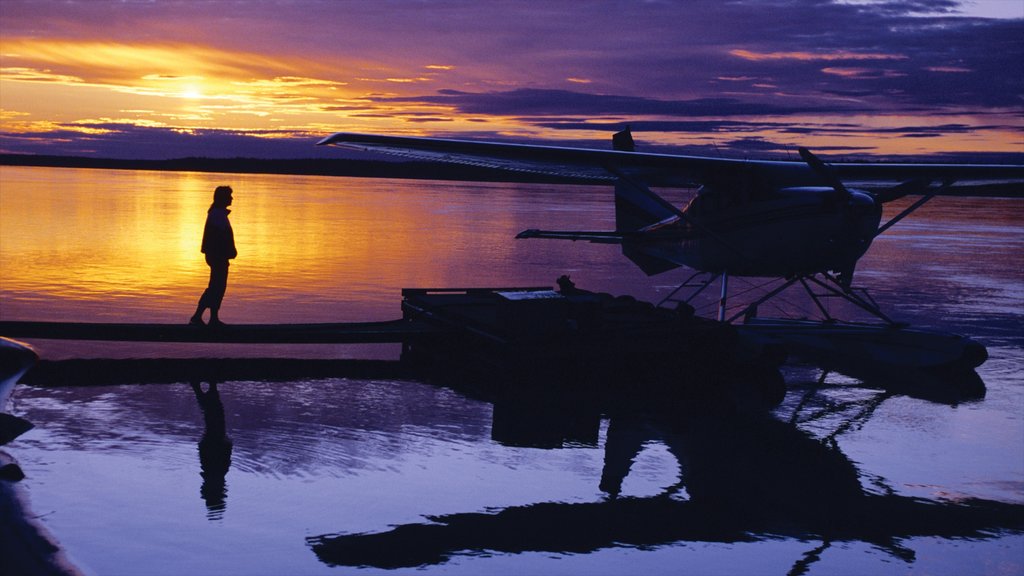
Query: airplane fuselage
[(785, 232)]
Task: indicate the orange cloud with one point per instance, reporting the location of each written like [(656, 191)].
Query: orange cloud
[(813, 56), (113, 62), (190, 85), (32, 75), (854, 72), (847, 72), (164, 70), (290, 82)]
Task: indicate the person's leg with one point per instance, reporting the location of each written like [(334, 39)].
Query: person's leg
[(197, 318), (215, 292)]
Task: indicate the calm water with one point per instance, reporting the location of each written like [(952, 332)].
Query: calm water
[(367, 474)]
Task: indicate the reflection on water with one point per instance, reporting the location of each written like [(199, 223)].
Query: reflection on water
[(399, 474), (744, 479), (214, 450), (332, 462)]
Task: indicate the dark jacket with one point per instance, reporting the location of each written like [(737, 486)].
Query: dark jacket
[(218, 238)]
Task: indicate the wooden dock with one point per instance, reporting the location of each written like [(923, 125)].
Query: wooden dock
[(319, 333), (532, 317), (499, 341)]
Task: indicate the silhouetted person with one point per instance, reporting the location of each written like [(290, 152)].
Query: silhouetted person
[(219, 247), (214, 451)]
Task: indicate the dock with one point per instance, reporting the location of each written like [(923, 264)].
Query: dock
[(533, 338), (318, 333), (523, 342), (435, 312), (567, 327)]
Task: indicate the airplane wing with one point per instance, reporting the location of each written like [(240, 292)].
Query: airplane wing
[(566, 162), (679, 170)]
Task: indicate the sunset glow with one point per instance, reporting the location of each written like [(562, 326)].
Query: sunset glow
[(157, 80)]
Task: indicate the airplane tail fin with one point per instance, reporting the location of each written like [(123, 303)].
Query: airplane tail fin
[(623, 141), (637, 207), (638, 211), (640, 215)]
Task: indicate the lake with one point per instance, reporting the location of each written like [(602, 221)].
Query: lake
[(377, 472)]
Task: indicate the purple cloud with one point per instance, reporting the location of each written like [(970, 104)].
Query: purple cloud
[(527, 102), (125, 141)]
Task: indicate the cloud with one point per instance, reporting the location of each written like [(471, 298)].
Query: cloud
[(114, 62), (131, 142), (547, 102), (24, 74), (810, 56), (691, 126), (908, 7), (763, 71), (853, 72)]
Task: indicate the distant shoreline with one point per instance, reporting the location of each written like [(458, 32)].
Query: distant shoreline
[(305, 167)]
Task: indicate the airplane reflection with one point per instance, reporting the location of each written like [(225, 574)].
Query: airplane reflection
[(15, 359), (952, 387), (743, 478), (214, 450)]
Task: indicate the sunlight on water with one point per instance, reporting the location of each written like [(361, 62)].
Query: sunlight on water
[(120, 244), (356, 474)]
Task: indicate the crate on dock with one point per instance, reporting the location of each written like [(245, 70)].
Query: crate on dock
[(540, 313)]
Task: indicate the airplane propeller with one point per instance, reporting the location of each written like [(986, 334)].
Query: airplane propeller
[(856, 204), (823, 170)]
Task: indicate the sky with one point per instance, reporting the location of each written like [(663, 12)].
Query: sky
[(147, 79)]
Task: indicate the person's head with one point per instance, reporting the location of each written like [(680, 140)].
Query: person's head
[(222, 196)]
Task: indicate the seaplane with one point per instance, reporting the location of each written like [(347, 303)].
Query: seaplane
[(805, 222)]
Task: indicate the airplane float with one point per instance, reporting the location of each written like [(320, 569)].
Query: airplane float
[(803, 222)]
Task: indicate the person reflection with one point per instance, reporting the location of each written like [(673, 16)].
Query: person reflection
[(214, 451), (625, 439), (623, 443), (219, 247)]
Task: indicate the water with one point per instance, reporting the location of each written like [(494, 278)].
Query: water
[(370, 473)]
